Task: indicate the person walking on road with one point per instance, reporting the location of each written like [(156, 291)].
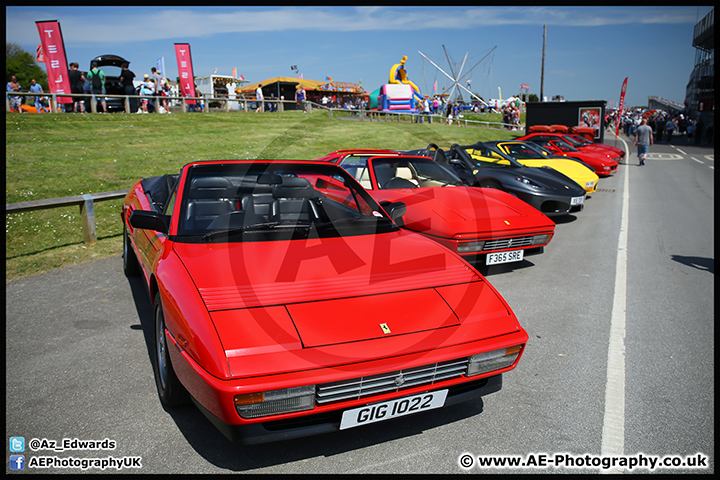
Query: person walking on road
[(643, 140)]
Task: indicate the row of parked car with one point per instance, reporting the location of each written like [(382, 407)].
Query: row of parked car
[(294, 298)]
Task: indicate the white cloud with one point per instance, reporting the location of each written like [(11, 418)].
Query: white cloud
[(110, 25)]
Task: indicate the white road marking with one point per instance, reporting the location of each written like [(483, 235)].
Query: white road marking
[(663, 156), (699, 161), (613, 432), (680, 151)]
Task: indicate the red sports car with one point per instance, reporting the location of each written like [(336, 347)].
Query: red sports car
[(288, 303), (578, 141), (476, 222), (553, 142)]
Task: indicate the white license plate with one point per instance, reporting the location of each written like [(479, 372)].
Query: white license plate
[(577, 200), (504, 257), (399, 407)]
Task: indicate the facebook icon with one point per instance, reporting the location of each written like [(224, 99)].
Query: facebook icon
[(17, 462)]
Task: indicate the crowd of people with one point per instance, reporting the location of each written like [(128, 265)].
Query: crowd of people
[(665, 125), (153, 90)]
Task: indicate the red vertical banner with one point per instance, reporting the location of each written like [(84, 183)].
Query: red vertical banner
[(185, 71), (53, 49), (622, 103)]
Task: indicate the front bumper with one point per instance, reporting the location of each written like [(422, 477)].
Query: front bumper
[(549, 204), (328, 422)]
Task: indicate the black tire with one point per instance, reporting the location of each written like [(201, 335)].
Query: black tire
[(171, 392), (131, 267)]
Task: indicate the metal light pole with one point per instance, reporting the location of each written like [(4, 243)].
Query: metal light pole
[(542, 73)]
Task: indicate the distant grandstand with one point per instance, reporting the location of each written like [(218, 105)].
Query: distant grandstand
[(657, 103)]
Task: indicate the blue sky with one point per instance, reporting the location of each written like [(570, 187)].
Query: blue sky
[(589, 50)]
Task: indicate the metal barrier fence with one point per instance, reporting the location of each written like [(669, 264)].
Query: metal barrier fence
[(85, 202), (248, 104), (396, 116), (244, 104)]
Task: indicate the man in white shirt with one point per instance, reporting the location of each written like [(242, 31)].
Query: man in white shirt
[(260, 99)]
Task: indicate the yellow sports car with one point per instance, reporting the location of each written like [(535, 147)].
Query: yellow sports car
[(531, 155)]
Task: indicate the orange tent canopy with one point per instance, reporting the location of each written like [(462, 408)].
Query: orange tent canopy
[(307, 84)]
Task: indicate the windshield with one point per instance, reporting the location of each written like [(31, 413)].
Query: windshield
[(402, 172), (581, 140), (522, 151), (487, 155), (563, 145), (267, 201), (573, 141)]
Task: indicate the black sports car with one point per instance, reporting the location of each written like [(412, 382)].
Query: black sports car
[(546, 189)]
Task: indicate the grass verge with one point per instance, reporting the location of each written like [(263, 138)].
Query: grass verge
[(59, 155)]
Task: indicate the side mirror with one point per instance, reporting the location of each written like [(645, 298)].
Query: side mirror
[(150, 221), (395, 209)]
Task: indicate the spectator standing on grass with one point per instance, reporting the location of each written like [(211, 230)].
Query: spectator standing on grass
[(37, 88), (77, 81), (157, 88), (146, 91), (15, 100), (426, 109), (149, 86), (300, 97), (126, 77), (506, 117), (418, 111), (449, 112), (260, 99), (516, 117), (96, 77), (164, 91), (643, 140)]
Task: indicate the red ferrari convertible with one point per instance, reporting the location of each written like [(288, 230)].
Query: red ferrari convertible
[(288, 303), (604, 163), (475, 222)]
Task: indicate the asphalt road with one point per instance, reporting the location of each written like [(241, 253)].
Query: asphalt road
[(78, 367)]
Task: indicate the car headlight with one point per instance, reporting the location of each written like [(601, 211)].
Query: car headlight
[(542, 239), (606, 168), (468, 247), (495, 360), (527, 181), (275, 402)]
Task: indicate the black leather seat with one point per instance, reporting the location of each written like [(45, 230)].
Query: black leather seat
[(201, 213), (209, 197), (294, 201)]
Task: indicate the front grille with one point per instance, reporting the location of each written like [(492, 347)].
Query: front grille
[(502, 243), (390, 382)]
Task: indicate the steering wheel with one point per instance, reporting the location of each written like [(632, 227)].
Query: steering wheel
[(398, 182)]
